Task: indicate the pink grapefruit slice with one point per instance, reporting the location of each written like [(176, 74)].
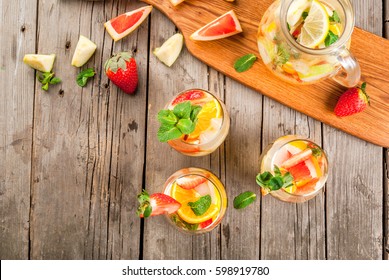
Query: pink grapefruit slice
[(222, 27), (124, 24)]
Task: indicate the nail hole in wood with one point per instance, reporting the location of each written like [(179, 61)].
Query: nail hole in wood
[(67, 46), (106, 85), (134, 50), (23, 28), (61, 92)]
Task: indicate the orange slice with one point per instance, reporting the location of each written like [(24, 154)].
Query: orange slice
[(209, 111), (124, 24), (185, 212), (222, 27)]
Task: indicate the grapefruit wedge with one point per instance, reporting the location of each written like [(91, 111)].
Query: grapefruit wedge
[(124, 24), (222, 27)]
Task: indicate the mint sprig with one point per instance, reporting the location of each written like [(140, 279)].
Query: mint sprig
[(335, 17), (177, 122), (331, 38), (83, 76), (46, 79), (200, 206), (304, 15), (274, 182)]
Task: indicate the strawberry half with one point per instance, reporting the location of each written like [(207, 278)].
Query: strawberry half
[(353, 101), (156, 204), (190, 181), (121, 70), (189, 95)]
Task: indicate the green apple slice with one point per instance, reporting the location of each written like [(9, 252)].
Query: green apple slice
[(170, 50), (40, 62), (84, 50)]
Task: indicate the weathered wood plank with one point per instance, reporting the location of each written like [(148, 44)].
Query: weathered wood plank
[(386, 203), (386, 19), (88, 143), (291, 231), (354, 196), (162, 241), (18, 33), (241, 228)]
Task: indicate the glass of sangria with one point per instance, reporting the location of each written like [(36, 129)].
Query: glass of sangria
[(202, 197), (306, 41), (194, 123), (293, 169)]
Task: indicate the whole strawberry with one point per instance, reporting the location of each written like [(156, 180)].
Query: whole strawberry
[(353, 101), (121, 70)]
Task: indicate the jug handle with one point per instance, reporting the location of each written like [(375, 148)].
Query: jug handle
[(350, 73)]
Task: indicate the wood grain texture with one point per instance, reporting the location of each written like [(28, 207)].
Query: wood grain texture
[(241, 231), (162, 241), (88, 144), (288, 230), (316, 101), (18, 31), (354, 197)]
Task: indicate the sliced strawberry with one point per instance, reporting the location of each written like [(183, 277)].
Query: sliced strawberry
[(205, 224), (297, 158), (156, 204), (190, 181), (189, 95)]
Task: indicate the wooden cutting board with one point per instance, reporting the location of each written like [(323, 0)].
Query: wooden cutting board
[(316, 101)]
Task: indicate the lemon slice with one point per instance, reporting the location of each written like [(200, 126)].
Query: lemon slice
[(316, 26), (170, 50), (40, 62), (209, 111), (84, 50)]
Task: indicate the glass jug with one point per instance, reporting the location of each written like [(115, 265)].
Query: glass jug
[(298, 43)]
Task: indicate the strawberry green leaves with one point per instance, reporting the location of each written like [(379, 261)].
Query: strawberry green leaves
[(83, 76), (177, 122), (274, 182), (245, 63), (244, 199), (200, 206), (46, 79)]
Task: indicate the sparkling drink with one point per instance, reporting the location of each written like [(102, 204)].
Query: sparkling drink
[(212, 123), (306, 41), (301, 158), (189, 186)]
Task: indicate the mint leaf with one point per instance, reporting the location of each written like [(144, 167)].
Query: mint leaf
[(186, 126), (195, 111), (330, 39), (46, 79), (245, 63), (183, 110), (181, 120), (55, 81), (316, 152), (283, 54), (304, 15), (201, 206), (335, 17), (181, 223), (244, 199), (275, 182), (166, 133), (83, 76), (167, 117)]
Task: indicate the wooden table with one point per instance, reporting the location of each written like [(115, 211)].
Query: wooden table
[(72, 160)]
